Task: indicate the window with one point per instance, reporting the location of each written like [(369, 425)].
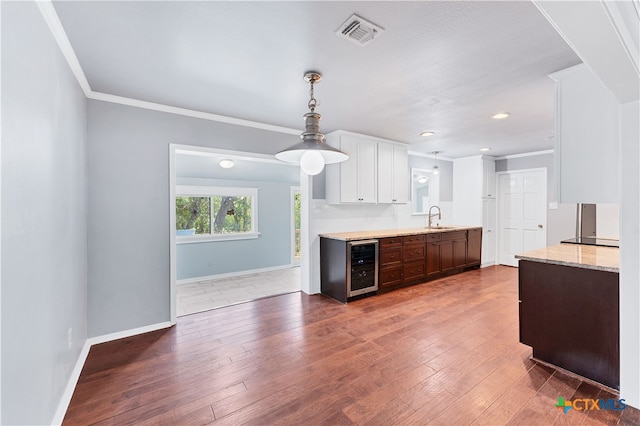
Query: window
[(209, 213)]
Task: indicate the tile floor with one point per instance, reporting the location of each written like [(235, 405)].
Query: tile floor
[(210, 294)]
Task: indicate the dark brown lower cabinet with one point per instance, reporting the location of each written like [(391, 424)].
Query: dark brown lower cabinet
[(474, 246), (570, 317), (403, 260), (433, 258), (390, 271)]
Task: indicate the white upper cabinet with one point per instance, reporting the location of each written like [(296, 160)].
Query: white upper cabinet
[(393, 173), (587, 148), (488, 178), (354, 180)]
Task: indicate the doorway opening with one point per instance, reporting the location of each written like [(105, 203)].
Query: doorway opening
[(237, 248)]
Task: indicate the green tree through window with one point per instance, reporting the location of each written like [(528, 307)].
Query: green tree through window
[(208, 213)]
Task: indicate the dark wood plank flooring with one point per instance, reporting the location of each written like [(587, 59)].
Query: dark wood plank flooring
[(441, 353)]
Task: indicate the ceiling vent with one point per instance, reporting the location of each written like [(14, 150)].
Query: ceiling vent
[(359, 30)]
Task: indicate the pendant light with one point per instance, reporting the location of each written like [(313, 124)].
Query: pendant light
[(436, 169), (312, 153)]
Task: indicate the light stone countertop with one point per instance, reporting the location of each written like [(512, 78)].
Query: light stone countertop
[(577, 255), (387, 233)]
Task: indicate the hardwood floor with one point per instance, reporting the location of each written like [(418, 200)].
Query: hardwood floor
[(440, 353)]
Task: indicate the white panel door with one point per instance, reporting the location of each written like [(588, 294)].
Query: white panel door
[(522, 220)]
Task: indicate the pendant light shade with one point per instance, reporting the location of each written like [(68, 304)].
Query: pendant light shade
[(436, 169), (312, 153)]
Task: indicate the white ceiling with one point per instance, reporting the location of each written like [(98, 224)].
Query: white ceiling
[(441, 66)]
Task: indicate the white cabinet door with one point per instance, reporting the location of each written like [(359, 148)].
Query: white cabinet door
[(488, 231), (348, 170), (393, 174), (354, 180), (586, 138), (488, 178), (385, 173), (367, 177), (400, 175)]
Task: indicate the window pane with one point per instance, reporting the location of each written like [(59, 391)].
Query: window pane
[(193, 213), (231, 214)]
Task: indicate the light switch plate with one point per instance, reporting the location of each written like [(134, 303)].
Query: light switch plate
[(553, 206)]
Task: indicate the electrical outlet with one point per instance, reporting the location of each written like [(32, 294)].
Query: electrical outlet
[(69, 337)]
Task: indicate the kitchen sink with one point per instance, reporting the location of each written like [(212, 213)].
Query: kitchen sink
[(442, 227)]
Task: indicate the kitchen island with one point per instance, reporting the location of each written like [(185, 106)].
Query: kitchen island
[(404, 257), (569, 309)]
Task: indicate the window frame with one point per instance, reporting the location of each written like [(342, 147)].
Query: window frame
[(224, 191)]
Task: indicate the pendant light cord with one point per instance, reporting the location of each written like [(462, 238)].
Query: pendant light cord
[(313, 102)]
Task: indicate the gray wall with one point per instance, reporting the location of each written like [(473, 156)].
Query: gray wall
[(129, 205), (44, 218), (560, 221), (272, 248)]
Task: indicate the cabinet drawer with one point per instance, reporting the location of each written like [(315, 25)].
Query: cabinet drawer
[(390, 276), (413, 271), (434, 237), (415, 252), (413, 239), (389, 242), (390, 256), (454, 235)]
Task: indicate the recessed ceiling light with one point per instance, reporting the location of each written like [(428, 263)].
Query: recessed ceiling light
[(485, 149), (226, 163), (427, 133), (500, 115)]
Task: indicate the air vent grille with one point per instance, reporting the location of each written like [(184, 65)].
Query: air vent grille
[(359, 30)]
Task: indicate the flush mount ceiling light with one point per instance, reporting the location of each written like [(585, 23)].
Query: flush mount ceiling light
[(423, 179), (427, 133), (312, 153), (226, 163), (436, 169), (485, 149), (500, 115)]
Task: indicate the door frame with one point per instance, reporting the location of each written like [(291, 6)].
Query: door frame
[(500, 201), (294, 190), (197, 150)]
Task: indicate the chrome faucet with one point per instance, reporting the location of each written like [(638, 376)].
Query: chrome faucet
[(439, 214)]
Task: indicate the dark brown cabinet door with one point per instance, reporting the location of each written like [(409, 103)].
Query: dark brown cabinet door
[(390, 276), (459, 253), (413, 271), (433, 259), (446, 256), (390, 256), (474, 246)]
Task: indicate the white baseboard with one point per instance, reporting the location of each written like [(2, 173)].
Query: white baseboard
[(82, 358), (128, 333), (71, 385), (234, 274)]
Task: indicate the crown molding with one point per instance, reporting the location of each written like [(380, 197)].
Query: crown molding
[(55, 26), (526, 154), (190, 113)]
